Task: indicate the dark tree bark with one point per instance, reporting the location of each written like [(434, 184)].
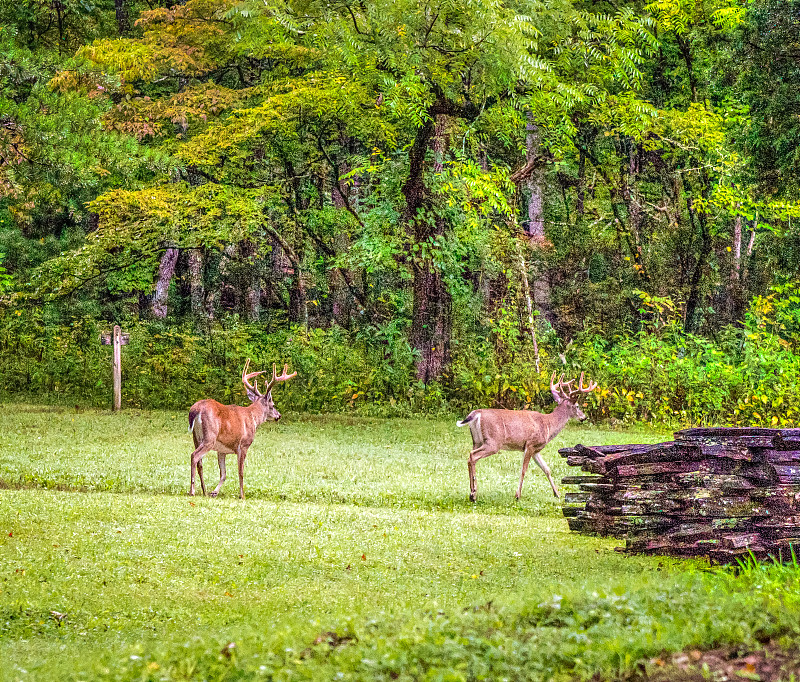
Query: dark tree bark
[(251, 281), (736, 291), (342, 300), (166, 271), (431, 323), (298, 304), (693, 301), (123, 21), (196, 289), (533, 176), (580, 202), (535, 182)]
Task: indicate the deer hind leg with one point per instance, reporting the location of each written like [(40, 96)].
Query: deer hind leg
[(195, 459), (200, 474), (221, 460), (474, 456), (526, 459), (543, 466)]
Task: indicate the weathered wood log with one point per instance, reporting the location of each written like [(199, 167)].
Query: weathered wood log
[(576, 498), (774, 456), (577, 461), (598, 488), (719, 492), (591, 453), (578, 480), (787, 473)]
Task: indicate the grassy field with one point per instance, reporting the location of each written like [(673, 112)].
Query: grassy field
[(356, 555)]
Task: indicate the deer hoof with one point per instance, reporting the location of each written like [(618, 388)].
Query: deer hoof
[(213, 493)]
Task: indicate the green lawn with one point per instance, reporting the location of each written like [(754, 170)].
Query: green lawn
[(358, 527)]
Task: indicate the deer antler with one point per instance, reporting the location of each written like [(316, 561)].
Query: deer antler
[(575, 392), (592, 385), (276, 378), (563, 390), (246, 379)]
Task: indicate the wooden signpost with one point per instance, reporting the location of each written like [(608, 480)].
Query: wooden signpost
[(118, 339)]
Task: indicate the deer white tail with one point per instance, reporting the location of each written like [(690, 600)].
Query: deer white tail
[(472, 415), (196, 425)]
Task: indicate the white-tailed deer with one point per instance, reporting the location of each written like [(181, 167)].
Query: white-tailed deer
[(230, 428), (495, 430)]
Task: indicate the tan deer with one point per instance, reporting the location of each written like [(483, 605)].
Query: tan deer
[(525, 430), (230, 428)]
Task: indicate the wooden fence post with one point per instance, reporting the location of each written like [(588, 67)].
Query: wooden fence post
[(118, 339), (117, 365)]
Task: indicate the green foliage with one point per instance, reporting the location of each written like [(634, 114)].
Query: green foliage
[(5, 277), (661, 375)]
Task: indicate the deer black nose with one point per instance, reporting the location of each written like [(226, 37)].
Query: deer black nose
[(277, 417)]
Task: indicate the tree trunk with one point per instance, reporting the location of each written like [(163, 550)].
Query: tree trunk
[(431, 323), (166, 270), (580, 202), (341, 303), (439, 143), (523, 270), (693, 301), (735, 294), (123, 21), (251, 299), (535, 227), (196, 292), (298, 306), (216, 289)]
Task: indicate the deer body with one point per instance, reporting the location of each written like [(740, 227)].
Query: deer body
[(230, 429), (524, 430)]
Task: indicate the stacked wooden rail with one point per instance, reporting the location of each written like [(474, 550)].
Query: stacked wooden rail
[(721, 492)]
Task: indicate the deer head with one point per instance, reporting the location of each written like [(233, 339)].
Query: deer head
[(264, 399), (565, 394)]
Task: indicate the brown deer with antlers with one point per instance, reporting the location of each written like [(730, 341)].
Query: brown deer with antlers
[(230, 428), (525, 430)]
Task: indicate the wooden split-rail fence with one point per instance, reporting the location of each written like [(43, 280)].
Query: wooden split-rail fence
[(716, 492)]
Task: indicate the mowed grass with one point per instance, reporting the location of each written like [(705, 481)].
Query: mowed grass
[(356, 555)]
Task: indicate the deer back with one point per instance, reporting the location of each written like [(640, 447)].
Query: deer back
[(229, 425), (513, 429)]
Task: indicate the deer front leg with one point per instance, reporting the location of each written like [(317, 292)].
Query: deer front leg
[(543, 466), (195, 458), (526, 459), (241, 456), (221, 460)]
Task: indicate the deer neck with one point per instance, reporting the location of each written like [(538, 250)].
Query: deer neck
[(557, 419), (258, 412)]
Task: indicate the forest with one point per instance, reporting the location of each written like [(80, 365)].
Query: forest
[(423, 206)]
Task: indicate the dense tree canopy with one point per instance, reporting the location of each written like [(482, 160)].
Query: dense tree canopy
[(469, 178)]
